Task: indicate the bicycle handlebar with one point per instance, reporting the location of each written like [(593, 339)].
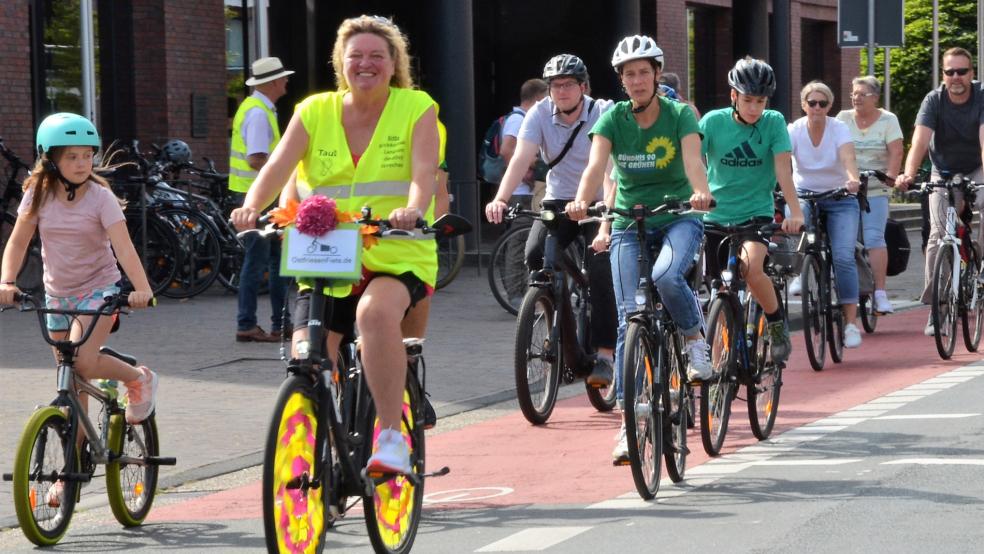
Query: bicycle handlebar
[(110, 306), (639, 212), (836, 194), (957, 181), (11, 157)]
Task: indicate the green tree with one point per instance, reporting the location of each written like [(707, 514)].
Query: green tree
[(912, 65)]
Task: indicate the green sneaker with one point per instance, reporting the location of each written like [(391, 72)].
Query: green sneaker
[(779, 338)]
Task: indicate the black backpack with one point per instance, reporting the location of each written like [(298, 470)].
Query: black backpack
[(491, 166), (897, 242)]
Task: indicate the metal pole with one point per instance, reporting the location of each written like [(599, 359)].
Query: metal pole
[(262, 33), (782, 58), (871, 37), (87, 52), (888, 79), (980, 27), (936, 43)]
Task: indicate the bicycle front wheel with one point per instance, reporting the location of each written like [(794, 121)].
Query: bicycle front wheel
[(294, 518), (944, 304), (972, 303), (508, 275), (676, 405), (763, 391), (131, 487), (393, 512), (717, 393), (200, 257), (643, 420), (814, 313), (537, 359), (41, 456), (450, 258)]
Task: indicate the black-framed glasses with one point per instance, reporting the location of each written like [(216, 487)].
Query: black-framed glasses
[(815, 103), (564, 85), (956, 71)]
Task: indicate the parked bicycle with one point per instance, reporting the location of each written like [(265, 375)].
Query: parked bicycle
[(553, 341), (321, 436), (737, 332), (658, 397), (957, 288), (30, 277), (48, 454)]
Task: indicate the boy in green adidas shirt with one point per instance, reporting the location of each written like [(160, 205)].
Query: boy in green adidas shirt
[(747, 149)]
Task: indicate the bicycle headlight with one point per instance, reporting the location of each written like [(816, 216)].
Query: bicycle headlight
[(640, 298), (303, 348), (811, 237), (727, 275), (548, 215)]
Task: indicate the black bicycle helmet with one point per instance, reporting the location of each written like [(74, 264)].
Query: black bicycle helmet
[(176, 151), (565, 65), (752, 77)]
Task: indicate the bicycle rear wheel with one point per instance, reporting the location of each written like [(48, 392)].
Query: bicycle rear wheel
[(40, 457), (201, 253), (763, 392), (294, 513), (675, 405), (160, 257), (508, 275), (814, 313), (716, 395), (867, 314), (393, 512), (536, 361), (972, 302), (131, 488), (643, 420), (944, 304), (450, 258)]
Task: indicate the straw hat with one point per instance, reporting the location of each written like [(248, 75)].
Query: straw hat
[(266, 70)]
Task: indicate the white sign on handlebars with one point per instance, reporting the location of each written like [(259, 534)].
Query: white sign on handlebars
[(335, 255)]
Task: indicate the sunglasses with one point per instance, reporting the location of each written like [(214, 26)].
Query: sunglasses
[(957, 71), (815, 103)]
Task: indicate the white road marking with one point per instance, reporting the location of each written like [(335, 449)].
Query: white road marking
[(814, 462), (927, 416), (534, 538), (937, 461)]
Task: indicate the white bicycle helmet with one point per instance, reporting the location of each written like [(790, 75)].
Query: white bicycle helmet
[(636, 47)]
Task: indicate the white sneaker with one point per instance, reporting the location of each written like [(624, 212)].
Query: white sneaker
[(882, 304), (795, 287), (699, 362), (391, 455), (930, 330), (852, 336), (621, 453)]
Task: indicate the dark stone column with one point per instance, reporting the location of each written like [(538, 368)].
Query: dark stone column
[(751, 25)]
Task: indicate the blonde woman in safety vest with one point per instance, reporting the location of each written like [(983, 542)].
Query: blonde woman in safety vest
[(255, 133), (373, 142)]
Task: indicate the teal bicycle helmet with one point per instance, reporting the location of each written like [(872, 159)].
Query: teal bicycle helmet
[(66, 129)]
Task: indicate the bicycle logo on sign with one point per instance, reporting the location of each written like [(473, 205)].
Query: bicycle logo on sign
[(316, 246)]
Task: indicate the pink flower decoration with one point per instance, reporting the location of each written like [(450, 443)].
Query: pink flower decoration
[(316, 216)]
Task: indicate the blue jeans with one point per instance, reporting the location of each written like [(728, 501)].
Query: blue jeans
[(677, 244), (261, 254), (842, 228)]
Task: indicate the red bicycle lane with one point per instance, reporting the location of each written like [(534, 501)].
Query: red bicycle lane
[(508, 462)]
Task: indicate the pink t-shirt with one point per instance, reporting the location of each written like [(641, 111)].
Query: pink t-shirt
[(75, 247)]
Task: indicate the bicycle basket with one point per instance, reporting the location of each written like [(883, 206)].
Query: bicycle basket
[(787, 256)]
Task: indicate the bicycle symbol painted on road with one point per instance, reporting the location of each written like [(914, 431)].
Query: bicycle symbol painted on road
[(316, 246)]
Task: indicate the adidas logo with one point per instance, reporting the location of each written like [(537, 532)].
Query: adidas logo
[(741, 156)]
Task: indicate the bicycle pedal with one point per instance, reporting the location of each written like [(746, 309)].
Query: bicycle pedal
[(439, 473), (621, 462), (8, 476)]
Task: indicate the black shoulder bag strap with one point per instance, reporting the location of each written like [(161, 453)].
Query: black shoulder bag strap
[(570, 141)]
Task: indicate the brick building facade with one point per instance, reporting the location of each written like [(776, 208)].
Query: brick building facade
[(16, 114)]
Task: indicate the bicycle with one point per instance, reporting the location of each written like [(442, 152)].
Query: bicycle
[(321, 435), (658, 396), (48, 450), (957, 289), (553, 330), (866, 303), (823, 318), (30, 277), (740, 344)]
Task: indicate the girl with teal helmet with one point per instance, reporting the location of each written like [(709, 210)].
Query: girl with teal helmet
[(83, 237)]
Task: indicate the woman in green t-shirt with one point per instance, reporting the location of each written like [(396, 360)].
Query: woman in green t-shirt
[(655, 148), (747, 149)]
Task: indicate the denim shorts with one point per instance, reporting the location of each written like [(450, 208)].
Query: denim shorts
[(874, 222), (90, 301)]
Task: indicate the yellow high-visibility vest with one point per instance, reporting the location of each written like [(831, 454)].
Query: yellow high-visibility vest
[(241, 175), (381, 180)]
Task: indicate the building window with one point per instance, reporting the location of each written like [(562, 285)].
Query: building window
[(58, 63), (236, 55)]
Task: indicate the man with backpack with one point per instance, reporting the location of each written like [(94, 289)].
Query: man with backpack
[(558, 127), (500, 143)]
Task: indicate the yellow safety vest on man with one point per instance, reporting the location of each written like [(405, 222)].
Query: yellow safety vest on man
[(381, 180), (241, 175)]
